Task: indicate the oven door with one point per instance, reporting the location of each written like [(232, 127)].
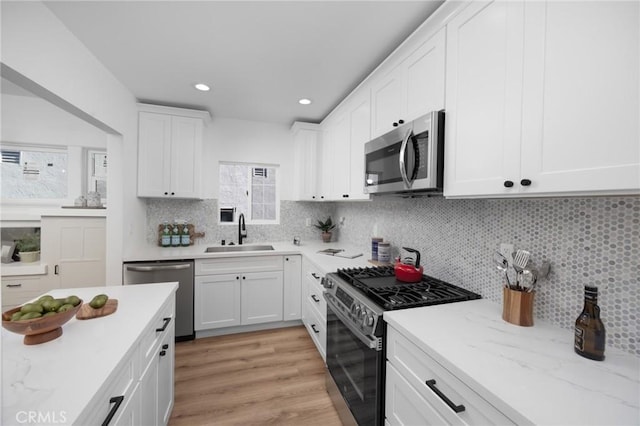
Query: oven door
[(356, 365)]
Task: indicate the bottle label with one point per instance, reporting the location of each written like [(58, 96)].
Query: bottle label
[(579, 339), (186, 240), (166, 240), (175, 240)]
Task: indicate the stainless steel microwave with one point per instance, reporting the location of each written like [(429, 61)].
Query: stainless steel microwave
[(407, 159)]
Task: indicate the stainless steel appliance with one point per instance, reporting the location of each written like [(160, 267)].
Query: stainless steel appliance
[(168, 271), (356, 300), (409, 158)]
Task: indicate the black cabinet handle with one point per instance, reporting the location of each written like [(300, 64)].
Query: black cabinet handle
[(395, 124), (118, 401), (286, 258), (14, 285), (163, 353), (56, 270), (164, 326), (313, 196), (401, 121), (345, 195), (313, 274), (313, 327), (525, 182), (432, 385), (315, 299), (237, 278), (244, 278), (508, 184), (322, 197), (166, 193), (165, 346)]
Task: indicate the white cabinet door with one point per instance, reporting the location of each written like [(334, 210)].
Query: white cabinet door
[(424, 76), (404, 405), (129, 414), (338, 138), (217, 301), (412, 88), (75, 250), (148, 389), (261, 297), (292, 298), (186, 156), (166, 365), (581, 97), (154, 154), (305, 139), (359, 134), (483, 98), (169, 153), (386, 102)]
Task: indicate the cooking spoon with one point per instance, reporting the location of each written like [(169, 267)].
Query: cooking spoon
[(503, 265), (520, 261)]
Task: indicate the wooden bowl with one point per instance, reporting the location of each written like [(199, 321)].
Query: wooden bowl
[(38, 330)]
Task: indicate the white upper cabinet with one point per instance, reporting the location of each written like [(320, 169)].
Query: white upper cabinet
[(542, 99), (344, 134), (305, 146), (414, 87), (169, 152)]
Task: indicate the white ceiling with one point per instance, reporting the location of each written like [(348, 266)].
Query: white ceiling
[(259, 57)]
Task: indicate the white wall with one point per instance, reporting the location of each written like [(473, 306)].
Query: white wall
[(228, 139), (33, 120), (42, 51)]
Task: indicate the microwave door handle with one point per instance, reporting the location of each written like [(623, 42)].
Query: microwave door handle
[(403, 166)]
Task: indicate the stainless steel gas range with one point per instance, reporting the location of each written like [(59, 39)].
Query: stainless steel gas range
[(356, 300)]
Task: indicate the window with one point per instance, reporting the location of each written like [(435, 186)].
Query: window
[(251, 189), (97, 173), (30, 173)]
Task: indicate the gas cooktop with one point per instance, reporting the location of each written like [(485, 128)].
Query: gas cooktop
[(382, 287)]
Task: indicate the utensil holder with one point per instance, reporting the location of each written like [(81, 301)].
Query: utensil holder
[(517, 307)]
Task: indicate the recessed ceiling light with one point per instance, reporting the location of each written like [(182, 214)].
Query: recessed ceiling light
[(203, 87), (304, 101)]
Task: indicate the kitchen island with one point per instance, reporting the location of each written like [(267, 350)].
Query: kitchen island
[(527, 375), (78, 377)]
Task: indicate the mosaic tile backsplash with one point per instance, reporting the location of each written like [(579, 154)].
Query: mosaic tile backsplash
[(591, 240)]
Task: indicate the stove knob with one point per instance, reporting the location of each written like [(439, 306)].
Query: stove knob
[(369, 320), (358, 309), (327, 283), (363, 313)]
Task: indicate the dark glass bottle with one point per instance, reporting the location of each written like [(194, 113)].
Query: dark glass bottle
[(589, 329)]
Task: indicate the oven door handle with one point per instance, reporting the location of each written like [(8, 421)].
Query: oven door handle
[(371, 343)]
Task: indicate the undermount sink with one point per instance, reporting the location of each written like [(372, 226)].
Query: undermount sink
[(226, 249)]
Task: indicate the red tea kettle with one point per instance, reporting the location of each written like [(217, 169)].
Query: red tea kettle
[(407, 272)]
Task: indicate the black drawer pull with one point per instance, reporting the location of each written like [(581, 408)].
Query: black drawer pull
[(164, 326), (508, 184), (313, 327), (313, 274), (163, 353), (315, 299), (432, 385), (14, 285), (118, 401), (525, 182), (165, 346)]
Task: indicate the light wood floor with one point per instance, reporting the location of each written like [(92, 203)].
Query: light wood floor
[(257, 378)]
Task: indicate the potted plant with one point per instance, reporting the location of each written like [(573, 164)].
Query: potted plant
[(326, 228), (29, 248)]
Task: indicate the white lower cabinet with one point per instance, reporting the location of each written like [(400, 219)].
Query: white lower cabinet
[(292, 297), (17, 290), (239, 291), (314, 307), (420, 391), (141, 391)]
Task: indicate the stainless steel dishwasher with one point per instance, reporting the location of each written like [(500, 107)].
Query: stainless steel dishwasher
[(168, 271)]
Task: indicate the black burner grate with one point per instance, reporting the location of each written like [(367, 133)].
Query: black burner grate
[(380, 284)]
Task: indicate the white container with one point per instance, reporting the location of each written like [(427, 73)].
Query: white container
[(384, 252)]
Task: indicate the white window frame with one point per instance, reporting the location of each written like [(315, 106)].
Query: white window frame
[(248, 219)]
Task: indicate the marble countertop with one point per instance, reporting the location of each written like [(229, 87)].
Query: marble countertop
[(60, 377), (23, 268), (310, 250), (531, 374)]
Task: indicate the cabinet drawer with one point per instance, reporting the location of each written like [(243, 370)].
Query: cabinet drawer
[(317, 328), (417, 368), (122, 385), (151, 337), (239, 264), (403, 405), (313, 295), (18, 290)]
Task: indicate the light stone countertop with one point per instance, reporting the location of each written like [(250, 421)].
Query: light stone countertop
[(310, 250), (59, 378), (23, 268), (530, 374)]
